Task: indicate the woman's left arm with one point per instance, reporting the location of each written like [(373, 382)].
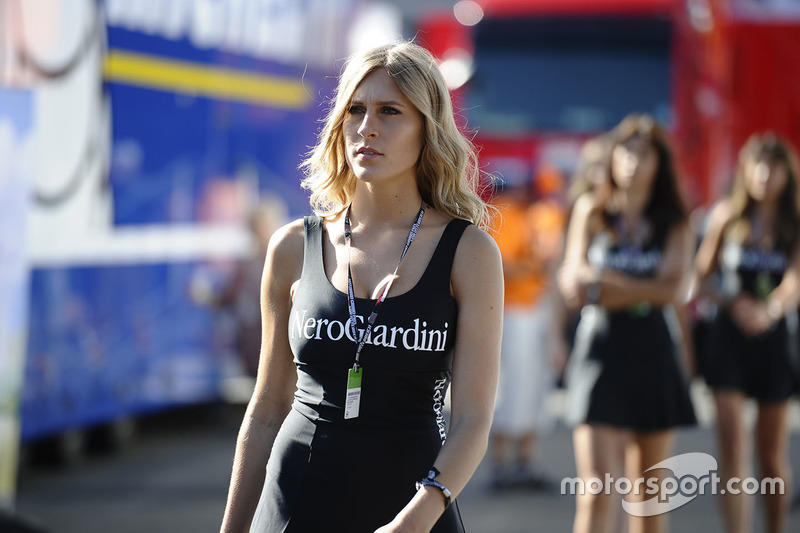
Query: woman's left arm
[(477, 284), (755, 316), (619, 291)]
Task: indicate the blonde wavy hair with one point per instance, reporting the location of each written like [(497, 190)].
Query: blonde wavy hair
[(448, 176)]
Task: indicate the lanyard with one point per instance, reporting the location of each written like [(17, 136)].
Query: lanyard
[(351, 299)]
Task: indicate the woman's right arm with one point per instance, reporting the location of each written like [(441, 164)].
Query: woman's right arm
[(575, 273), (276, 382)]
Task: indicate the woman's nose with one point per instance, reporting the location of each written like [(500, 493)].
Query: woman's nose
[(762, 173), (367, 127), (631, 163)]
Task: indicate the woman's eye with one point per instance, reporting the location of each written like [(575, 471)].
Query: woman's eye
[(360, 109)]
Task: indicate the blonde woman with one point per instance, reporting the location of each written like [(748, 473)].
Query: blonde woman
[(347, 415)]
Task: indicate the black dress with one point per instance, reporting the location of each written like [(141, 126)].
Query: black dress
[(625, 368), (326, 473), (764, 367)]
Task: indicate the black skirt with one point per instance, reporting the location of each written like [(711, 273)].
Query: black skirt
[(329, 477), (763, 367), (625, 372)]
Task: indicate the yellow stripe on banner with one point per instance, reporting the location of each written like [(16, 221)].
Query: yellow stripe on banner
[(192, 78)]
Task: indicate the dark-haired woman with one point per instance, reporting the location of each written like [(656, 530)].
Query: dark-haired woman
[(749, 262), (625, 262)]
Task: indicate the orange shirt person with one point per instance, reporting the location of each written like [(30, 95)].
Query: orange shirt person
[(529, 238)]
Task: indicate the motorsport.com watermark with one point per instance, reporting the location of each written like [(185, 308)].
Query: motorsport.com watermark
[(694, 474)]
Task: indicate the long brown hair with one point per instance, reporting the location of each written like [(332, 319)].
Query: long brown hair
[(592, 169), (665, 209), (774, 149)]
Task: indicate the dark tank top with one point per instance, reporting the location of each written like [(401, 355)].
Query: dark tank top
[(617, 352), (749, 269), (407, 360), (635, 261)]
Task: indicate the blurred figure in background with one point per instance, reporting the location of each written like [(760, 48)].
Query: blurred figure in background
[(590, 176), (528, 233), (749, 263), (627, 254), (241, 294)]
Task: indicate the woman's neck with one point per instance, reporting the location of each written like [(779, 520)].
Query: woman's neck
[(763, 221), (631, 206), (630, 226), (384, 208), (765, 212)]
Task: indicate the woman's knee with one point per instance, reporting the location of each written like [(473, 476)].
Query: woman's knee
[(597, 504), (772, 464)]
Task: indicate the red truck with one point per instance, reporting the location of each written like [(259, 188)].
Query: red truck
[(538, 77)]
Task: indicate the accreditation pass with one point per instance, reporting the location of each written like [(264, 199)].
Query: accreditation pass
[(353, 398)]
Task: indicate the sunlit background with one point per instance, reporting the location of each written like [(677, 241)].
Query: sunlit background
[(142, 142)]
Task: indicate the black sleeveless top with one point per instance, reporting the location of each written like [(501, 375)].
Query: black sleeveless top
[(765, 367), (745, 268), (625, 369), (321, 468), (635, 261), (408, 358)]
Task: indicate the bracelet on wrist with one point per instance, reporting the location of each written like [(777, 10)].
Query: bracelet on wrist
[(430, 481)]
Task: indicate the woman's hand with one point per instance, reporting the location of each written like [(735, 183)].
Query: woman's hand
[(574, 281), (752, 316)]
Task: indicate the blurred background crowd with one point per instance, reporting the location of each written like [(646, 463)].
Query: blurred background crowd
[(149, 148)]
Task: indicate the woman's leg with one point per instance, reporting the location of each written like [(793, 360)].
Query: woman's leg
[(644, 451), (733, 444), (772, 443), (512, 423), (500, 443), (598, 450)]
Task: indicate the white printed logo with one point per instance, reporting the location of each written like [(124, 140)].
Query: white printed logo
[(690, 469), (693, 474)]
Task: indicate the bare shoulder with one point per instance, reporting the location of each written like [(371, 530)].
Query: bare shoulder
[(476, 240), (476, 280), (720, 214), (288, 239), (587, 205), (285, 252), (586, 213), (477, 255)]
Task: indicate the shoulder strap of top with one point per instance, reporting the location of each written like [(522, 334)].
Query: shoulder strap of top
[(441, 264), (312, 250)]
